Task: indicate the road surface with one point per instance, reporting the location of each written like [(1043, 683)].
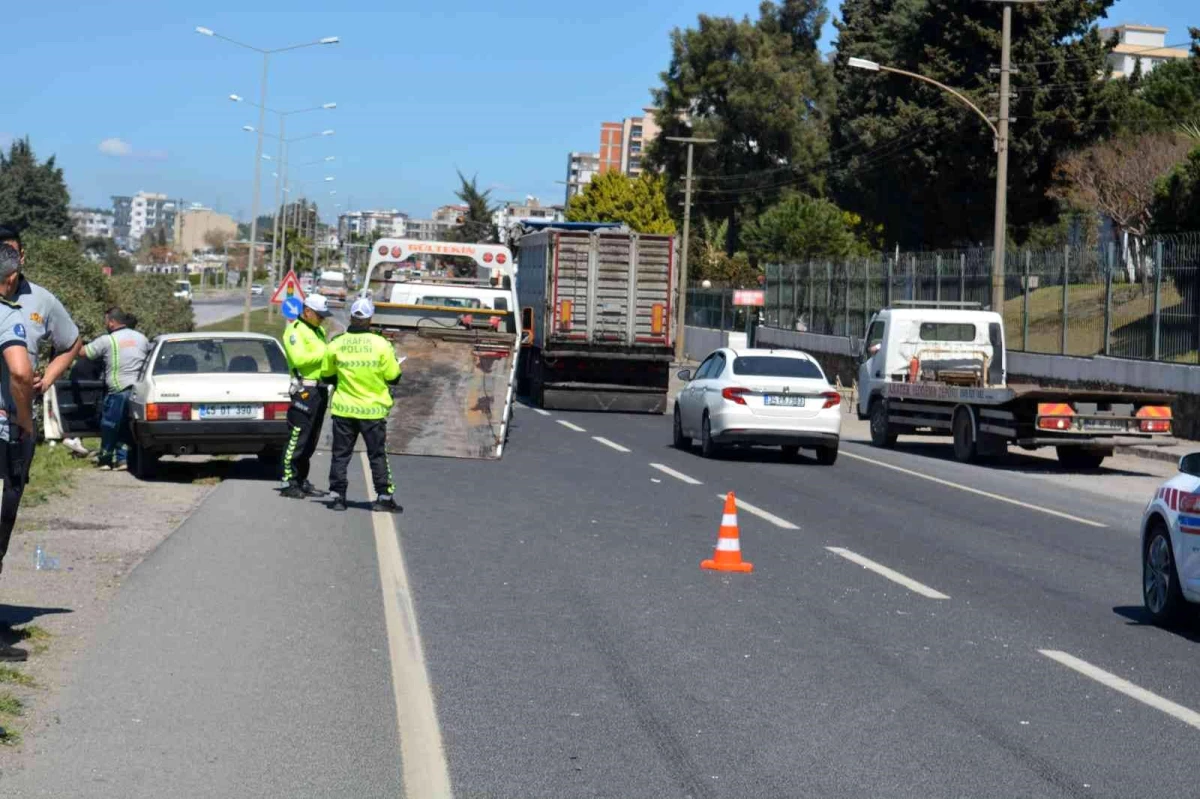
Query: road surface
[(540, 627), (209, 310)]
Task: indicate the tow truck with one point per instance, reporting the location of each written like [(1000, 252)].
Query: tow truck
[(942, 369), (458, 337)]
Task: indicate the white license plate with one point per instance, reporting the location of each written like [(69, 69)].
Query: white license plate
[(242, 411), (786, 400)]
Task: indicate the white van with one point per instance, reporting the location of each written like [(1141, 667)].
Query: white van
[(183, 290)]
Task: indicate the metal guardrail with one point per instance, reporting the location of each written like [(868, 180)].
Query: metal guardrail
[(1138, 302)]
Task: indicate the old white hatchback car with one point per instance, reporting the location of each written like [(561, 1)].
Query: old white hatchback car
[(759, 397)]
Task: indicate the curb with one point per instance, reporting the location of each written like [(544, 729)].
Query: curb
[(1151, 453)]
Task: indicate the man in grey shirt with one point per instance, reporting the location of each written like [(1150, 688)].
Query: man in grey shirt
[(16, 420), (123, 351)]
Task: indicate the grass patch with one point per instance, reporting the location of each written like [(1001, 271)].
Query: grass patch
[(53, 473), (14, 677), (36, 638), (260, 322), (9, 736), (10, 705)]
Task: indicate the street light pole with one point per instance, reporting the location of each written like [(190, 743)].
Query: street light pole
[(681, 326), (1000, 230)]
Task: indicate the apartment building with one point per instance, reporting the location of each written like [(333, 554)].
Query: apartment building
[(1144, 43), (196, 223), (581, 168), (134, 215), (374, 224), (636, 134), (91, 223), (514, 213), (611, 146)]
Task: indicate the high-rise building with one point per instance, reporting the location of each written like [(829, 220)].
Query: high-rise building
[(133, 216), (375, 224), (92, 223), (611, 147), (1139, 43), (581, 168), (514, 213), (637, 133)]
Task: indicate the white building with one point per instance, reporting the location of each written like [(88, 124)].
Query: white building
[(512, 213), (133, 216), (1139, 43), (375, 224), (581, 168), (93, 222)]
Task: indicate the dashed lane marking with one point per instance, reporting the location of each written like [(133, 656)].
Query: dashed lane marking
[(610, 444), (762, 514), (571, 426), (1184, 714), (541, 411), (677, 475), (976, 491), (891, 574)]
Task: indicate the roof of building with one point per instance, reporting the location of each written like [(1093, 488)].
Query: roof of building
[(1149, 52)]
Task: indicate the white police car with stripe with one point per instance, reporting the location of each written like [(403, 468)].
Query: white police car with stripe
[(1171, 544)]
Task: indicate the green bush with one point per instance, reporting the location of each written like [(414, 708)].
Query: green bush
[(151, 299)]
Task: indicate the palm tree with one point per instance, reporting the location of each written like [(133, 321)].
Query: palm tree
[(477, 224)]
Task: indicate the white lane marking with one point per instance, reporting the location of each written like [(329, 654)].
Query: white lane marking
[(1184, 714), (762, 514), (542, 412), (611, 444), (422, 758), (977, 491), (571, 426), (692, 481), (891, 574)]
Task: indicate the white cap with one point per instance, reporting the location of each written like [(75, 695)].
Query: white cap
[(362, 308), (317, 303)]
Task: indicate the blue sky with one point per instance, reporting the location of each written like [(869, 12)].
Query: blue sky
[(128, 97)]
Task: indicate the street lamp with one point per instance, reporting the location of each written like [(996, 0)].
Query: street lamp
[(999, 233), (262, 107)]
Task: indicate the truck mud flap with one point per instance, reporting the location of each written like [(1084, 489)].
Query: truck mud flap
[(576, 399), (455, 397)]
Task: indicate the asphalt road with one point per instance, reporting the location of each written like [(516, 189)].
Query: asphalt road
[(574, 647), (209, 310)]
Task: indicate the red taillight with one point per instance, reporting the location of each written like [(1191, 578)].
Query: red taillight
[(275, 411), (735, 395), (1054, 423), (500, 258), (487, 257), (1156, 425), (168, 412), (1155, 418), (832, 399), (383, 250)]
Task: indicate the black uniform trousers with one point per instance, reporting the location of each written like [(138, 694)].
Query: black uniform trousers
[(345, 433), (15, 459), (305, 417)]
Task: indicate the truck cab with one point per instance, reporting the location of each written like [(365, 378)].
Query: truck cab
[(958, 344)]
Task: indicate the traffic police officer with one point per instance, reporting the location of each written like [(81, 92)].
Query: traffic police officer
[(16, 419), (364, 367), (304, 342), (123, 351)]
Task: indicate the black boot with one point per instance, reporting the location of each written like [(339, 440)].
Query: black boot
[(339, 503), (293, 491), (311, 490), (385, 504)]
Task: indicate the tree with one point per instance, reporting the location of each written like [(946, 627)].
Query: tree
[(640, 203), (1117, 178), (710, 261), (909, 156), (151, 298), (761, 89), (477, 226), (799, 228), (60, 266), (217, 239), (106, 252), (33, 196), (1176, 207)]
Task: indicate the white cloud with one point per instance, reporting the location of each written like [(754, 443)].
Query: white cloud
[(116, 147)]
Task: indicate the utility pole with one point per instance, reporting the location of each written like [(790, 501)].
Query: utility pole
[(681, 326), (1000, 232)]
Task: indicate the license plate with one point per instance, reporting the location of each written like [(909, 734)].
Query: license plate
[(1102, 424), (228, 411), (785, 400)]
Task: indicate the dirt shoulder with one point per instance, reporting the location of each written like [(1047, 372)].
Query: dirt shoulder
[(99, 525)]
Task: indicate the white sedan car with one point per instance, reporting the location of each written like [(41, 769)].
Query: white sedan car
[(1171, 544), (210, 393), (759, 397)]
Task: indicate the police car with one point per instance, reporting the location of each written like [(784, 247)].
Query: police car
[(1171, 544)]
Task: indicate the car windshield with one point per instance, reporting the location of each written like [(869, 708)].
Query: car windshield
[(776, 366), (212, 355)]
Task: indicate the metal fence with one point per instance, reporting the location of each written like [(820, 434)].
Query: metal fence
[(1137, 302)]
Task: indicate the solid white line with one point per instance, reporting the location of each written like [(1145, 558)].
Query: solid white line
[(422, 758), (884, 571), (677, 475), (977, 491), (1184, 714), (571, 426), (608, 443), (762, 514), (542, 412)]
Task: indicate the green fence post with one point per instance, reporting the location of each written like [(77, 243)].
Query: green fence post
[(1025, 308), (795, 294), (887, 288), (1108, 300), (811, 308), (1066, 275), (962, 277), (828, 326), (912, 278), (846, 269), (937, 281), (866, 294), (1158, 270)]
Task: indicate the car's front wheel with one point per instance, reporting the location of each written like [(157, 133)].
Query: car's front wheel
[(1161, 593)]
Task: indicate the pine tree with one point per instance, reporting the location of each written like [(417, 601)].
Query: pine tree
[(477, 225), (33, 196)]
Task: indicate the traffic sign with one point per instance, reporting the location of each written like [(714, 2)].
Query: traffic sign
[(749, 297), (288, 287), (291, 308)]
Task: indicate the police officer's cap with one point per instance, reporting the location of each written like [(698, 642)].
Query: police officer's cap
[(318, 304), (362, 308)]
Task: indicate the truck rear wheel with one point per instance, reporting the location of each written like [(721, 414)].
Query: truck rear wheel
[(881, 430), (1076, 458), (964, 436)]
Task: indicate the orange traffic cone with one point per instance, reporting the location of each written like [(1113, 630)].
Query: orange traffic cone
[(728, 557)]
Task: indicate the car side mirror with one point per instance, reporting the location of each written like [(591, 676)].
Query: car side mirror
[(1190, 464), (684, 374)]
